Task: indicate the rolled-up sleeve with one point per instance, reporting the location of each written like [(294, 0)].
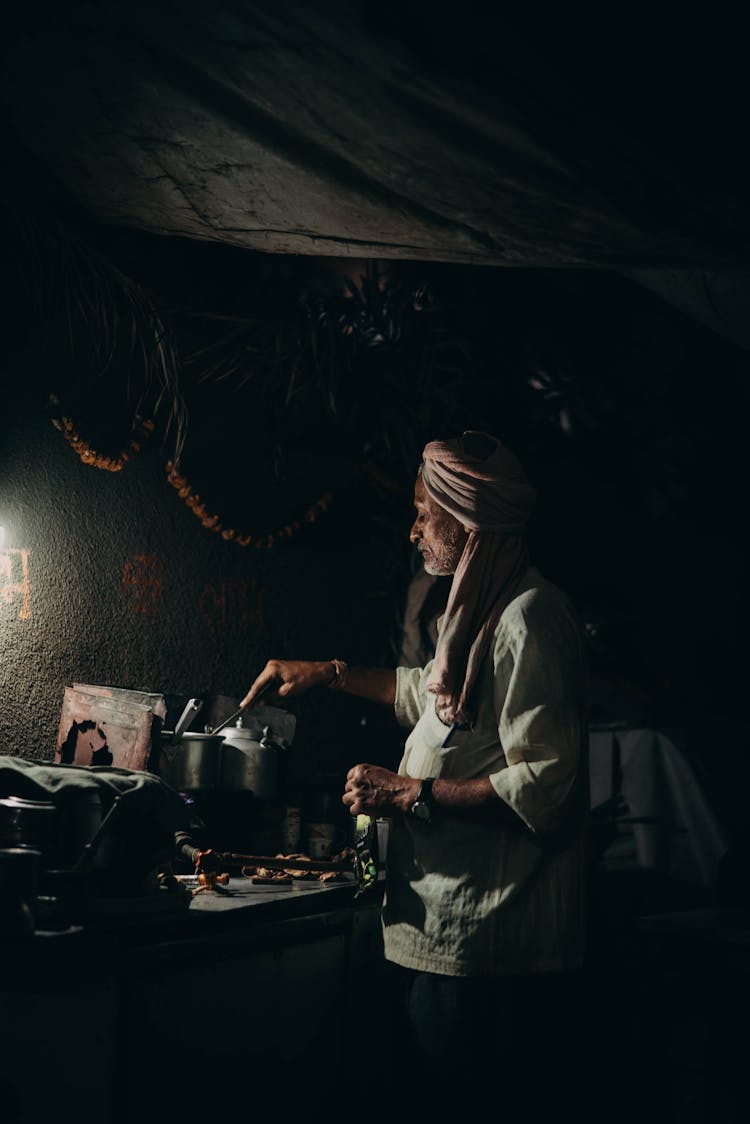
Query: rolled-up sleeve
[(539, 692), (410, 688)]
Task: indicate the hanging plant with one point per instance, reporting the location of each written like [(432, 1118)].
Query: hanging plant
[(114, 356), (366, 372), (372, 370)]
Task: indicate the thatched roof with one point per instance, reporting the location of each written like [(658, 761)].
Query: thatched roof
[(400, 130)]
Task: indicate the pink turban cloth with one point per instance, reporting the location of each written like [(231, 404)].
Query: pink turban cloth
[(490, 495)]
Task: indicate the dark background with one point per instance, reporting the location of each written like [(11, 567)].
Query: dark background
[(628, 416), (305, 240), (618, 373)]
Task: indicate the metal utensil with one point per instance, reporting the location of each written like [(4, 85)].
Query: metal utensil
[(238, 712), (190, 711), (216, 729)]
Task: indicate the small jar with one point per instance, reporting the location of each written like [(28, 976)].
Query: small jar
[(291, 829)]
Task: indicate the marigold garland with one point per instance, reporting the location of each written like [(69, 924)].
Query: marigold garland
[(212, 523), (142, 430)]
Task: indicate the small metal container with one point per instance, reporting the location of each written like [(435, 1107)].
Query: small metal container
[(30, 823), (193, 763)]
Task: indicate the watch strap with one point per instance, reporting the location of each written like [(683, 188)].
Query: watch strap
[(423, 805), (424, 795)]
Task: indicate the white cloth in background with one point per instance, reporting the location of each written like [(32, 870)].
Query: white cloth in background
[(675, 831)]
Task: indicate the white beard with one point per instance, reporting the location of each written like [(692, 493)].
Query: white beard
[(444, 561)]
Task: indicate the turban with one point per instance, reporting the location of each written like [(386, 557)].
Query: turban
[(482, 484)]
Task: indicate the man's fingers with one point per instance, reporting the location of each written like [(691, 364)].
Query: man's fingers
[(262, 684), (249, 698)]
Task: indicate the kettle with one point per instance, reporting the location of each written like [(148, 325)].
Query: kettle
[(250, 763)]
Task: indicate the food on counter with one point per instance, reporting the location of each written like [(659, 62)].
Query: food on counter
[(278, 877), (211, 879), (347, 855), (307, 873), (295, 871)]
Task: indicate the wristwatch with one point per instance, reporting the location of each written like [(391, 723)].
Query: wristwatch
[(424, 805)]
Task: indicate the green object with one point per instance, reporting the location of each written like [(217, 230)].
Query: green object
[(366, 849)]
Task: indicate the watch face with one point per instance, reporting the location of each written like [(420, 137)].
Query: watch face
[(421, 811)]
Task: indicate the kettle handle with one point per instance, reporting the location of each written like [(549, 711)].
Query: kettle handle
[(267, 742)]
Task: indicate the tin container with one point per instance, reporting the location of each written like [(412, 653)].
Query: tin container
[(31, 823), (249, 763), (193, 763)]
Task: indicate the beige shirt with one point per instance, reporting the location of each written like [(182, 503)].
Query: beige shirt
[(466, 899)]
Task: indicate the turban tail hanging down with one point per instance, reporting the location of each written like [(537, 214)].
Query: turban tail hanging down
[(482, 484)]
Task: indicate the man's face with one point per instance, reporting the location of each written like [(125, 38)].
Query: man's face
[(437, 535)]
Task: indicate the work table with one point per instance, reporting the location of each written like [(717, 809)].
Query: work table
[(188, 911), (260, 979)]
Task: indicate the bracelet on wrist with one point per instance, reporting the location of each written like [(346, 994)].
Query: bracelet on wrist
[(340, 675)]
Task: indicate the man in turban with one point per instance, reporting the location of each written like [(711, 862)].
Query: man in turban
[(485, 876)]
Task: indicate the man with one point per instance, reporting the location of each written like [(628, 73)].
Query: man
[(483, 911)]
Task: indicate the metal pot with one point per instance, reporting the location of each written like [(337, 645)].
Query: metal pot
[(30, 823), (192, 764), (249, 763)]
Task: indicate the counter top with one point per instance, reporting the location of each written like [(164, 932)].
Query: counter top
[(243, 894), (242, 914)]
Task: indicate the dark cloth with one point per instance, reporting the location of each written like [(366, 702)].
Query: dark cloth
[(141, 833), (513, 1041)]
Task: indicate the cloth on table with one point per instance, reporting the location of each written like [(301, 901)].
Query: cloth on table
[(141, 832), (648, 784)]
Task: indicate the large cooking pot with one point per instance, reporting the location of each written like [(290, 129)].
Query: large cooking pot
[(192, 763), (249, 762)]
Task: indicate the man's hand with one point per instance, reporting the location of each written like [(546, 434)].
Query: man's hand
[(282, 678), (373, 791)]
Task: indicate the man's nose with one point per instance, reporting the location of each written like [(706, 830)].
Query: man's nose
[(414, 533)]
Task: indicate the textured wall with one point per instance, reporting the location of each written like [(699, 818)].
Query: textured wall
[(638, 518), (108, 578)]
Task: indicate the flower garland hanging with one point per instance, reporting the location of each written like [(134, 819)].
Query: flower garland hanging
[(212, 522), (142, 430)]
